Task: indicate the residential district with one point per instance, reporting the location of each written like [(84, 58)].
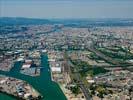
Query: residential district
[(87, 63)]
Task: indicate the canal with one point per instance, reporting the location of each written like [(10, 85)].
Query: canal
[(43, 83)]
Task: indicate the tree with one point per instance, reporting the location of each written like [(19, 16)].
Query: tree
[(101, 91), (91, 73), (75, 89)]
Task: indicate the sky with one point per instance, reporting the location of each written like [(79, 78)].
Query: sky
[(67, 8)]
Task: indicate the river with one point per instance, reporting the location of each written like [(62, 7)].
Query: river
[(43, 83)]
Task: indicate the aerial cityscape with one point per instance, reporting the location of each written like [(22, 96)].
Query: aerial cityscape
[(52, 56)]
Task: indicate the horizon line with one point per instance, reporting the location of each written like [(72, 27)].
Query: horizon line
[(63, 18)]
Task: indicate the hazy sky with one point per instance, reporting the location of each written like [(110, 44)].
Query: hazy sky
[(67, 8)]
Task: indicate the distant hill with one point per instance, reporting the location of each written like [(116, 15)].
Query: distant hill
[(66, 22), (21, 21)]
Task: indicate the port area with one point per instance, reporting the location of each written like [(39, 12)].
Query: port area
[(6, 64), (7, 59), (18, 88), (29, 68), (31, 63)]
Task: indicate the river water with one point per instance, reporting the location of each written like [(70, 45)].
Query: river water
[(43, 83)]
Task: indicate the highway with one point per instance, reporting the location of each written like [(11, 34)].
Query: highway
[(81, 84), (108, 59), (103, 56)]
